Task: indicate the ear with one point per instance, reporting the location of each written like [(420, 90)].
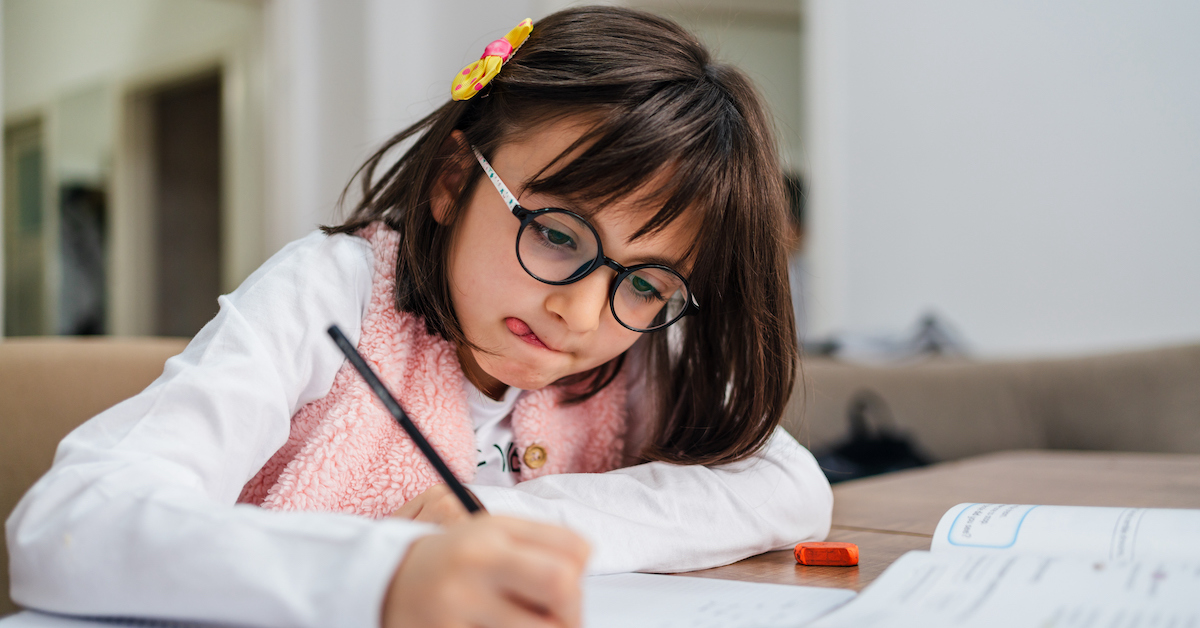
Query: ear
[(452, 177)]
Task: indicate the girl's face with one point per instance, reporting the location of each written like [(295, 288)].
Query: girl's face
[(534, 333)]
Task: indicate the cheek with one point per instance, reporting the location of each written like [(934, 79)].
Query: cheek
[(488, 269), (614, 341), (484, 271)]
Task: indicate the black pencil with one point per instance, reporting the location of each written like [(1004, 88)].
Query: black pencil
[(389, 402)]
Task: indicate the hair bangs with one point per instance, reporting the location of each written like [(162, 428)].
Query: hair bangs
[(670, 151)]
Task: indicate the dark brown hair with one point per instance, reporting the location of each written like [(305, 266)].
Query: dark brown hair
[(659, 108)]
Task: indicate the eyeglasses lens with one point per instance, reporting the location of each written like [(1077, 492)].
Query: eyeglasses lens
[(557, 247), (560, 248), (646, 293)]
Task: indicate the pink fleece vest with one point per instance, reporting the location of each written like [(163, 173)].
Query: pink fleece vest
[(345, 453)]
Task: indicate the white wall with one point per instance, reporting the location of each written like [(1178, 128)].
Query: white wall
[(1028, 169), (59, 46)]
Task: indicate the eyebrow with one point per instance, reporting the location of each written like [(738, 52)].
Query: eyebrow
[(558, 202), (673, 264)]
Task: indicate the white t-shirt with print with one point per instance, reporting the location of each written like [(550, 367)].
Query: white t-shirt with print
[(497, 463)]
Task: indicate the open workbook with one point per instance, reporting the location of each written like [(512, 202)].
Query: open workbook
[(1009, 566)]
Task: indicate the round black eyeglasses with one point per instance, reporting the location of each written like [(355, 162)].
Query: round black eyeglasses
[(558, 247)]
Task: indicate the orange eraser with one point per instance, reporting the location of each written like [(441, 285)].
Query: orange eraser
[(828, 554)]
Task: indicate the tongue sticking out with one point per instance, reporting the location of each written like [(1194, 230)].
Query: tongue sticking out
[(521, 330), (518, 326)]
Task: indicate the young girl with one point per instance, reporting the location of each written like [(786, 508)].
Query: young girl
[(574, 281)]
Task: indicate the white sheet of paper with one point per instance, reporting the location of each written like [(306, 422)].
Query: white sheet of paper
[(632, 600), (636, 600), (997, 590), (34, 619), (1116, 534)]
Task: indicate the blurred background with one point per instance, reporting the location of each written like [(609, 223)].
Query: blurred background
[(1015, 181), (1022, 176)]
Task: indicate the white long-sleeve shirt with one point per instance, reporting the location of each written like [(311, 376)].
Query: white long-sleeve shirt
[(137, 517)]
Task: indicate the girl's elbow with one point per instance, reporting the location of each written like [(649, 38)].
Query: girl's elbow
[(812, 506), (821, 509), (36, 579)]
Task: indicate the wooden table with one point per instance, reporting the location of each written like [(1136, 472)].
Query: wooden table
[(891, 514)]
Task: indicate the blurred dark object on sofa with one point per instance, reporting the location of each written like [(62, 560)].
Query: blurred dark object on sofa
[(875, 445)]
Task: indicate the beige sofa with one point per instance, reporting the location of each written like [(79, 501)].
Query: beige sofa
[(1138, 401), (49, 386), (1135, 401)]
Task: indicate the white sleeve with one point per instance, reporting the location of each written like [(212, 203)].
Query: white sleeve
[(661, 517), (137, 515)]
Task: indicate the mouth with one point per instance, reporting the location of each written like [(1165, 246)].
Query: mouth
[(520, 329)]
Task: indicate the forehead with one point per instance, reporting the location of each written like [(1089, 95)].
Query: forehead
[(540, 152)]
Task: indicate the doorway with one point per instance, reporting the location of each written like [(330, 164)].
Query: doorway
[(186, 120)]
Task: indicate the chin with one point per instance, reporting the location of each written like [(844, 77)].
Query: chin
[(523, 376), (528, 381)]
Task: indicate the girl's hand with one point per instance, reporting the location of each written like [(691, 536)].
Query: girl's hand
[(437, 504), (489, 571)]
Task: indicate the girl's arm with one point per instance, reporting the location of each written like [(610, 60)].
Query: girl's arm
[(136, 517), (666, 518)]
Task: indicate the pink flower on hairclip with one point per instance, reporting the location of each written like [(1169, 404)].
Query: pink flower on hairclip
[(472, 78)]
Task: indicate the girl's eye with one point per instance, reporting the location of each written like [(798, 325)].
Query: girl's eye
[(557, 238), (641, 285), (554, 234), (644, 289)]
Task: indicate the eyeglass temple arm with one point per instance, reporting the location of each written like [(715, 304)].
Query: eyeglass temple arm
[(509, 199)]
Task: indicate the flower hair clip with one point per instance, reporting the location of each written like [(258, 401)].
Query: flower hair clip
[(472, 78)]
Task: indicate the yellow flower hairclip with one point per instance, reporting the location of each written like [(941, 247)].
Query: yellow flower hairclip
[(473, 77)]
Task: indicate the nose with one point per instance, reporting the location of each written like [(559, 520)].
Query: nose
[(581, 305)]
